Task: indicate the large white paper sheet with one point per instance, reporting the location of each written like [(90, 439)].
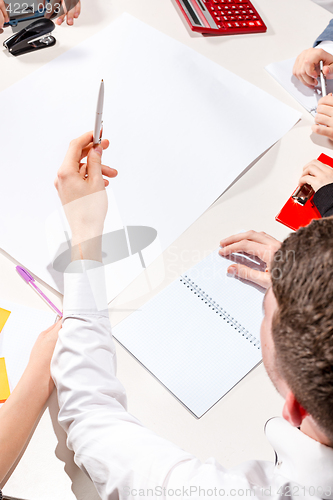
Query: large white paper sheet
[(181, 127), (283, 73)]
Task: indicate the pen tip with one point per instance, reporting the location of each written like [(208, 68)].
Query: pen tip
[(102, 80)]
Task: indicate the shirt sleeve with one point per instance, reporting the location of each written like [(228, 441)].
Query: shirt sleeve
[(323, 199), (110, 445), (327, 46), (326, 35)]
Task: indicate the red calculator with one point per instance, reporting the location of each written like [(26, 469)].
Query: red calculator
[(222, 17)]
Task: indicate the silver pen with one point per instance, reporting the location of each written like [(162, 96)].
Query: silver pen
[(98, 130), (322, 79)]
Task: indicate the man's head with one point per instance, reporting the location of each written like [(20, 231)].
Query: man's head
[(297, 331)]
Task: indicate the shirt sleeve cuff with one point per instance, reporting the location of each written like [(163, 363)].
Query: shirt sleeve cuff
[(323, 199), (326, 45), (85, 289)]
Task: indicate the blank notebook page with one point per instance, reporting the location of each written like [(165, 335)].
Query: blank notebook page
[(191, 345)]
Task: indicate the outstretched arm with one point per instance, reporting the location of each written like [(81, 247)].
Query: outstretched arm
[(21, 410), (111, 445)]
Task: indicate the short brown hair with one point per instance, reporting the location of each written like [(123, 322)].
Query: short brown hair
[(302, 281)]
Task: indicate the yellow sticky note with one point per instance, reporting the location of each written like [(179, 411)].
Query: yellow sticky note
[(4, 315), (4, 385)]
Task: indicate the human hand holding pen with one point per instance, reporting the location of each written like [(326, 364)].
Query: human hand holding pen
[(81, 188), (324, 118), (261, 245), (306, 67)]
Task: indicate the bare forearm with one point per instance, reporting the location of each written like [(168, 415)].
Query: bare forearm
[(20, 412)]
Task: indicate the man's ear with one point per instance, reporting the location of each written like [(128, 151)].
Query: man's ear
[(292, 411)]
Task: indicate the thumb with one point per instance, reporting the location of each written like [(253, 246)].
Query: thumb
[(244, 272), (328, 71), (94, 161)]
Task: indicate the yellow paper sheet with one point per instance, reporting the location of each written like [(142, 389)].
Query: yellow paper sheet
[(4, 385), (4, 315)]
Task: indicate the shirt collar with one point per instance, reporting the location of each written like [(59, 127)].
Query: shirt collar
[(300, 458)]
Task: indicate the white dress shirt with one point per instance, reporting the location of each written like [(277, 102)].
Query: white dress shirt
[(326, 45), (120, 454)]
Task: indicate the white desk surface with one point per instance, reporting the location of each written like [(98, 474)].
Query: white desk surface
[(232, 431)]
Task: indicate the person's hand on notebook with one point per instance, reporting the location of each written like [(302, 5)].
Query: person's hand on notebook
[(317, 174), (306, 67), (81, 188), (324, 118), (4, 16), (19, 413), (261, 245)]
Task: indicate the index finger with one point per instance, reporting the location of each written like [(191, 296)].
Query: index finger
[(264, 252), (74, 153), (327, 99)]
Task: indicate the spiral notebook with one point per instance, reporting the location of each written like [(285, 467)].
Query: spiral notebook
[(200, 336)]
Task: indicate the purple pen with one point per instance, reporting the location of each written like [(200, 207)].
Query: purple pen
[(30, 280)]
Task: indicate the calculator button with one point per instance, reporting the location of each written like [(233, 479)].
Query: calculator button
[(232, 18), (219, 7), (218, 19), (258, 23), (251, 23), (229, 25), (244, 24), (215, 1), (225, 18), (251, 11), (236, 25), (248, 17), (237, 12), (244, 12), (240, 18)]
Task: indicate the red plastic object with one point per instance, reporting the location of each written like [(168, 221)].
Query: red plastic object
[(294, 215), (222, 17)]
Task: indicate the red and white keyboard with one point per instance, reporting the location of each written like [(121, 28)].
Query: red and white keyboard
[(222, 17)]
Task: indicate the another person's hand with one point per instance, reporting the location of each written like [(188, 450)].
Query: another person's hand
[(64, 9), (4, 16), (42, 352), (81, 188), (19, 413), (324, 118), (317, 174), (306, 67), (71, 11), (253, 243)]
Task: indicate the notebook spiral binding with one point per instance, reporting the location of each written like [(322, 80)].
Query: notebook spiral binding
[(219, 310)]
